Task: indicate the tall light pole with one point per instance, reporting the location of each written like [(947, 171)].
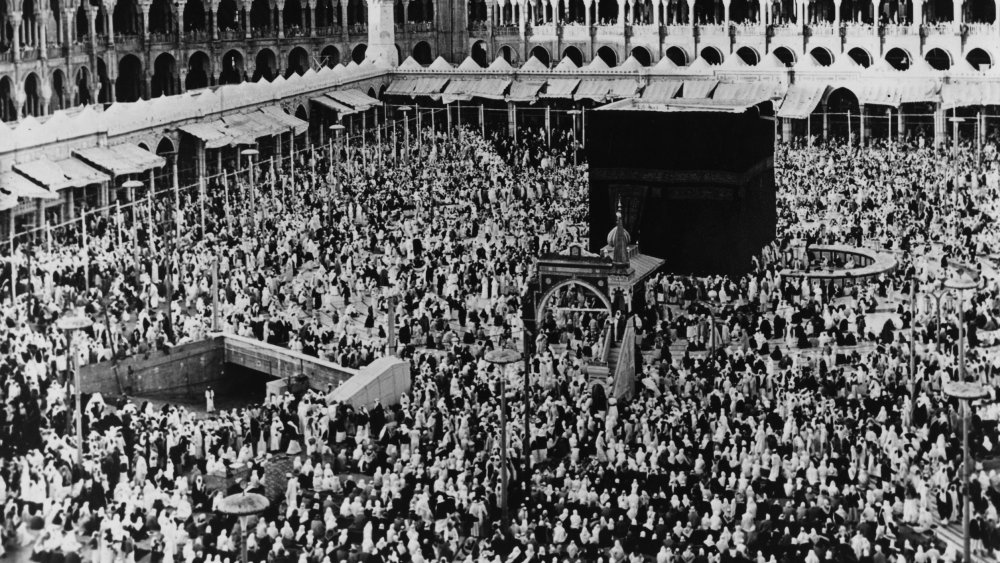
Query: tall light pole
[(954, 146), (71, 322), (574, 113), (503, 358), (250, 154), (405, 110), (960, 284), (938, 294), (965, 392), (132, 186)]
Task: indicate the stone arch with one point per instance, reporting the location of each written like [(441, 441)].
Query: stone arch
[(81, 83), (228, 15), (8, 105), (980, 59), (265, 65), (861, 56), (293, 17), (302, 112), (128, 86), (260, 15), (358, 53), (608, 55), (422, 53), (199, 71), (194, 16), (59, 90), (164, 81), (542, 54), (543, 303), (749, 55), (298, 62), (32, 95), (330, 56), (165, 146), (713, 55), (509, 54), (822, 55), (574, 55), (233, 68), (786, 56), (899, 58), (678, 56), (480, 53), (842, 99), (104, 93), (939, 59), (642, 55), (161, 17), (126, 19)]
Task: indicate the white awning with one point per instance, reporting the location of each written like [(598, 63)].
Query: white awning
[(354, 98), (213, 133), (960, 95), (19, 186), (661, 90), (561, 88), (525, 90), (747, 92), (120, 160), (801, 100), (45, 173), (333, 105), (289, 121), (698, 88)]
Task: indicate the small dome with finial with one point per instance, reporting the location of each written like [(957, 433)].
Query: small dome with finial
[(619, 239)]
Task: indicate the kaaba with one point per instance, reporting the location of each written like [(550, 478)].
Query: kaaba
[(695, 179)]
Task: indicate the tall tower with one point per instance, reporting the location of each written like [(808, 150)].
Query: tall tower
[(382, 33)]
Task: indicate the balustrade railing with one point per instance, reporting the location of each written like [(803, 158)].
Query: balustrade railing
[(678, 30), (785, 29), (231, 34), (711, 29), (645, 30), (328, 30), (823, 29), (748, 28), (544, 29), (857, 29), (419, 27), (980, 29), (897, 30), (575, 32), (357, 28), (505, 30), (946, 28)]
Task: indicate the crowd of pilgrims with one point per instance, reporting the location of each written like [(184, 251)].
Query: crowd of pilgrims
[(802, 437)]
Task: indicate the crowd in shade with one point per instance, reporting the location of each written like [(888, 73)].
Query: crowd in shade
[(771, 420)]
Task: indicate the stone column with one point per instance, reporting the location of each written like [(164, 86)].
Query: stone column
[(522, 17), (246, 19), (312, 18), (144, 6), (586, 13), (281, 19), (836, 18), (179, 6), (725, 18), (343, 17), (92, 26), (956, 8), (69, 27), (382, 33), (214, 11), (42, 17), (109, 10), (15, 19)]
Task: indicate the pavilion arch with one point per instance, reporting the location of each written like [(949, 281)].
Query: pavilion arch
[(228, 16), (8, 108), (712, 55), (939, 59), (898, 58), (165, 146), (574, 55), (422, 53), (59, 90), (298, 62), (608, 55), (822, 55), (164, 81), (509, 54), (265, 65), (372, 93), (786, 56), (480, 53), (302, 113), (128, 86), (642, 55), (749, 55), (32, 95), (358, 53), (861, 56), (841, 100), (678, 56), (233, 69), (980, 59), (194, 16), (293, 16), (542, 54), (260, 14), (543, 303), (330, 56), (199, 71), (143, 145), (981, 11)]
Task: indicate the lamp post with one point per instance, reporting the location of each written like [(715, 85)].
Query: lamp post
[(960, 284), (131, 186), (69, 324), (954, 146), (405, 110), (243, 505), (335, 130), (503, 358), (249, 154), (574, 113), (965, 392), (938, 294)]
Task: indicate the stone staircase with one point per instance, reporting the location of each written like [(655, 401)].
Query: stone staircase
[(951, 534)]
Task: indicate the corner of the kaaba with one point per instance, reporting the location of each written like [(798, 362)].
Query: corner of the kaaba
[(694, 178)]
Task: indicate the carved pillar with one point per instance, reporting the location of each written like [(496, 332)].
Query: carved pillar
[(312, 18), (179, 6), (281, 19), (43, 16), (246, 18), (109, 10), (144, 6), (15, 19)]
